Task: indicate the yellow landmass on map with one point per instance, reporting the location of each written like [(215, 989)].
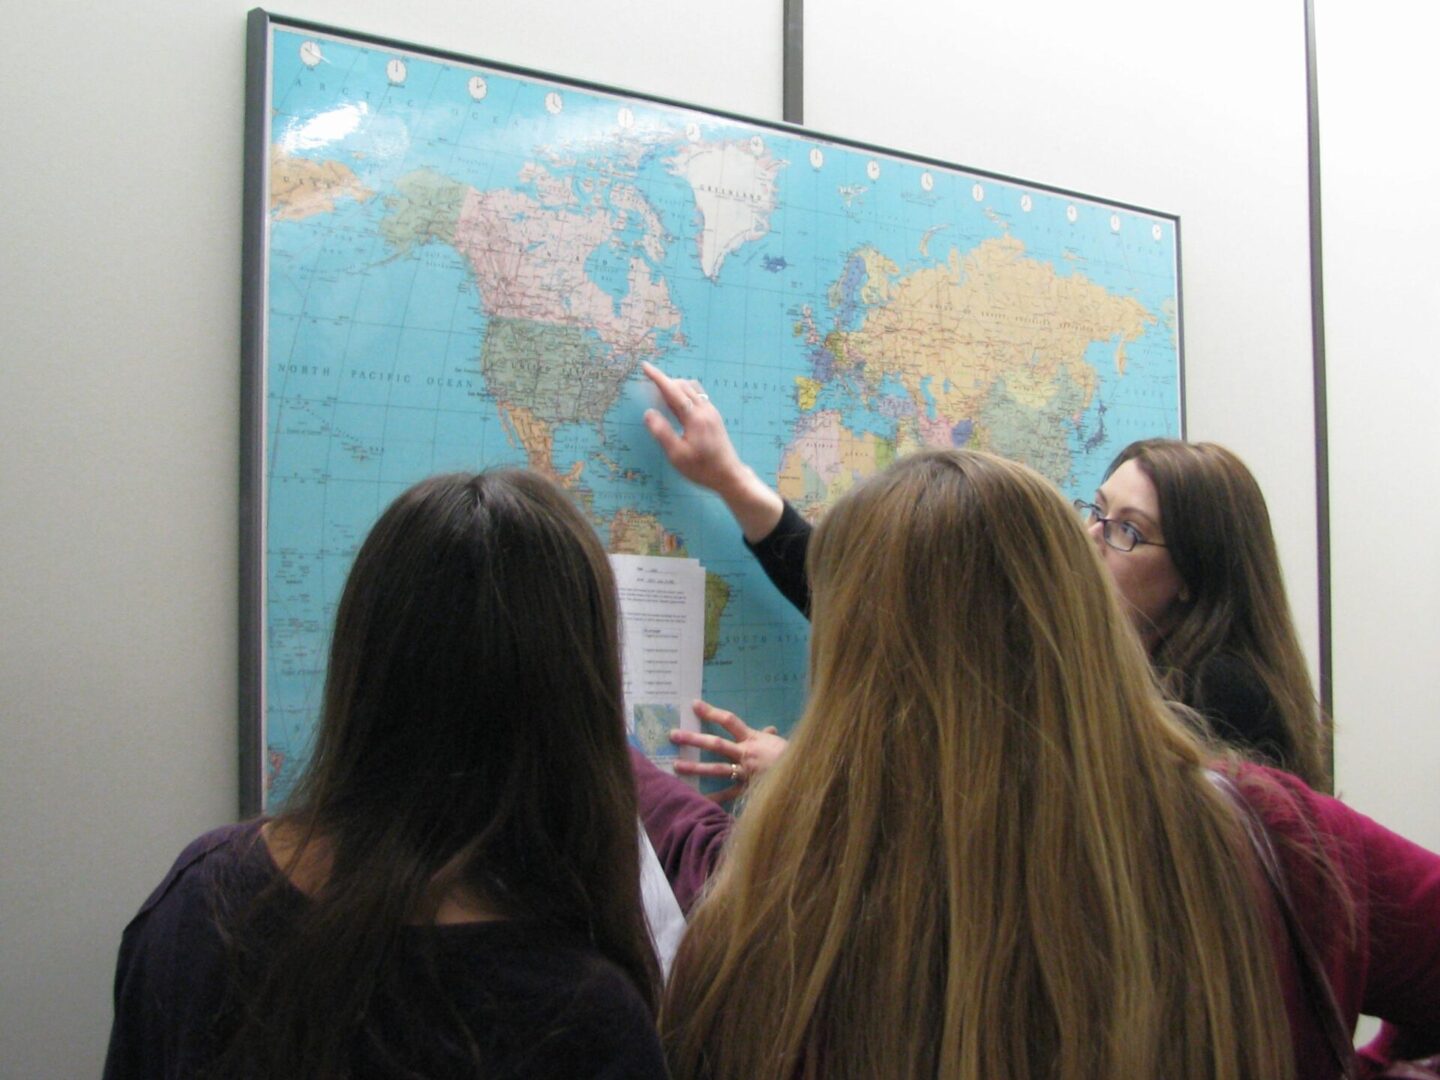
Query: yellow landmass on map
[(301, 188), (536, 438), (949, 333), (986, 349), (807, 392), (636, 533), (826, 459)]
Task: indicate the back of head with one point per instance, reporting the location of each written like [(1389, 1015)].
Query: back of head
[(472, 738), (954, 586), (473, 673), (1217, 529), (987, 823)]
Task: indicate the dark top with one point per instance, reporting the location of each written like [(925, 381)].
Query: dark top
[(1229, 694), (538, 1002), (1227, 691)]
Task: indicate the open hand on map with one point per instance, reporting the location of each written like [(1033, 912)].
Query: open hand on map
[(747, 752), (703, 453)]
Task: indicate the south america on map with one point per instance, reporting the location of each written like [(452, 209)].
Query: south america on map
[(466, 268)]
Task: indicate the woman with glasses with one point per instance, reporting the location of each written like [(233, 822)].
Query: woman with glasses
[(996, 851), (1184, 532)]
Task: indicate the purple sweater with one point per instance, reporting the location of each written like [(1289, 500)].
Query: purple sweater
[(538, 1001), (1389, 967)]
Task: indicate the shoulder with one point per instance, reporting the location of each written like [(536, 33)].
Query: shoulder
[(1384, 958), (175, 934), (168, 976), (1326, 845), (1297, 813), (208, 860)]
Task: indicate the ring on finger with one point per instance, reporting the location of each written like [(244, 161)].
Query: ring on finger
[(702, 397), (737, 775)]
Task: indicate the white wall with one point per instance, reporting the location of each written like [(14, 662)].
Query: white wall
[(119, 290), (1380, 174)]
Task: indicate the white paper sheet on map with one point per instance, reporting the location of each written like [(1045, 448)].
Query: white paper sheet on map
[(662, 634)]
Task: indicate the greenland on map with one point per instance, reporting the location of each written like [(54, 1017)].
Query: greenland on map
[(461, 265)]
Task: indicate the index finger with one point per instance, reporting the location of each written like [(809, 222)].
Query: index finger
[(670, 389)]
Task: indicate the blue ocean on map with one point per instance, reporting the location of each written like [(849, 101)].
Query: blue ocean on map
[(466, 267)]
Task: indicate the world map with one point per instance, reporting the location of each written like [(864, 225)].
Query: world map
[(465, 267)]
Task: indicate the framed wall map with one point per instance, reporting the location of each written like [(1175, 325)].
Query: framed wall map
[(452, 263)]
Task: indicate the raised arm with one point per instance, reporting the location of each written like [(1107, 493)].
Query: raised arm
[(703, 453)]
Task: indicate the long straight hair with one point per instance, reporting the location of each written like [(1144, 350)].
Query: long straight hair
[(991, 851), (1217, 531), (472, 737)]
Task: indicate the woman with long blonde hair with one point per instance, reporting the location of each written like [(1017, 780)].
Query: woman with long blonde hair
[(993, 850)]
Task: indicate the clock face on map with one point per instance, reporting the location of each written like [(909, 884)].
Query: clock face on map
[(478, 89), (872, 170), (395, 71), (927, 182), (310, 54), (554, 103), (817, 157)]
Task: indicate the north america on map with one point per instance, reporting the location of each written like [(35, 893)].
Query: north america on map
[(466, 268)]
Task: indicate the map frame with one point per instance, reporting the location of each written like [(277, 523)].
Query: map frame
[(254, 448)]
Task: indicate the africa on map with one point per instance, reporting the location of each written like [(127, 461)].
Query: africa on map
[(465, 266)]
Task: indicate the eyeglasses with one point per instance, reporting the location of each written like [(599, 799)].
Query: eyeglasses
[(1120, 535)]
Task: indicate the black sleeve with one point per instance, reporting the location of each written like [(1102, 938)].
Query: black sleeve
[(782, 557), (1240, 711)]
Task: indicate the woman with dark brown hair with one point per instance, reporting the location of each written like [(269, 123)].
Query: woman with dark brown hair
[(1184, 531), (453, 889)]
